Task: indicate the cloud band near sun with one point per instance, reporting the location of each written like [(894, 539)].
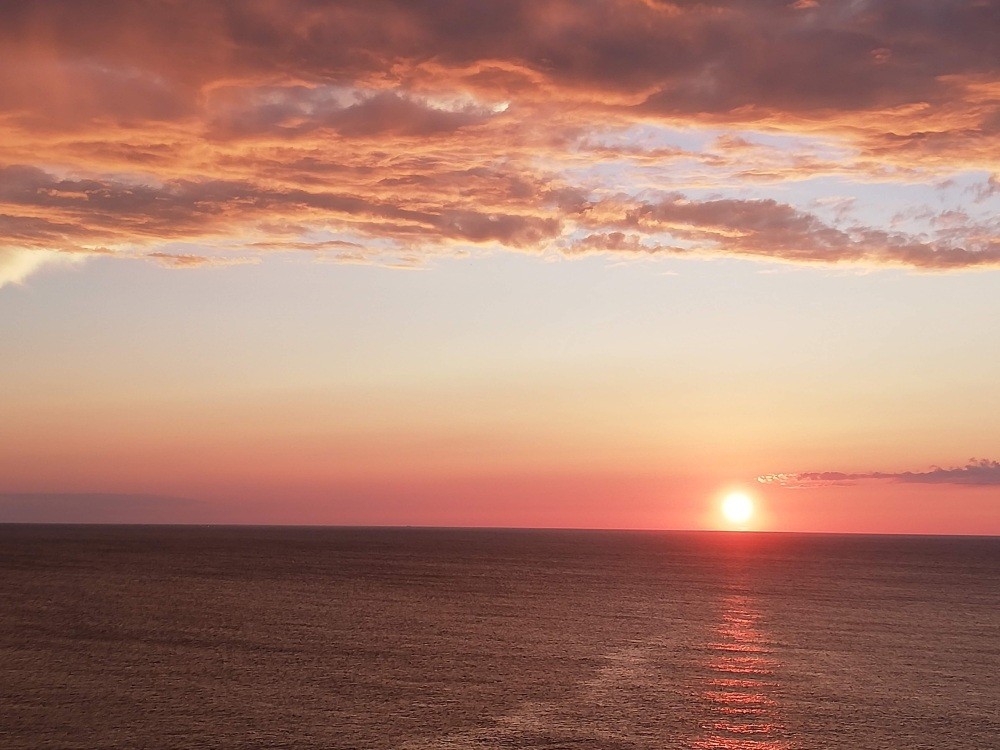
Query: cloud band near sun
[(210, 132), (978, 472)]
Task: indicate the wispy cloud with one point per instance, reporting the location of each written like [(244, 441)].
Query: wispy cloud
[(188, 260), (977, 472), (413, 128)]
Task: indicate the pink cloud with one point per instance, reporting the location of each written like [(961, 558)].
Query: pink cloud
[(430, 127)]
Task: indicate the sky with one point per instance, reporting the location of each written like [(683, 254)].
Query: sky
[(499, 263)]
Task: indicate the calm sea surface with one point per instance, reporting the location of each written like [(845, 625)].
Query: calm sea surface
[(146, 637)]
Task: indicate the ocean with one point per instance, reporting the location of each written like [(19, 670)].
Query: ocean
[(421, 639)]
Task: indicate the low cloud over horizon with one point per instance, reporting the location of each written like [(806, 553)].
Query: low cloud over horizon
[(977, 473), (392, 133)]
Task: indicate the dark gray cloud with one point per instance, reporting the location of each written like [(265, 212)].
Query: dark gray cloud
[(978, 472)]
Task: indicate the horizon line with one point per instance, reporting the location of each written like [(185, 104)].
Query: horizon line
[(420, 527)]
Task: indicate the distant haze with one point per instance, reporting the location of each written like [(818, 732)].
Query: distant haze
[(98, 508)]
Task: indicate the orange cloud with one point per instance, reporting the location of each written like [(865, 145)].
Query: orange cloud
[(406, 129)]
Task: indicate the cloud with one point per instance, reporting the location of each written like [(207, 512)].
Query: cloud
[(105, 209), (295, 110), (726, 61), (188, 260), (419, 128), (978, 472), (779, 231)]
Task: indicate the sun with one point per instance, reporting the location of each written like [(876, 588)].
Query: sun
[(737, 507)]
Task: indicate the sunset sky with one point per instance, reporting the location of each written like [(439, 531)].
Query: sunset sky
[(501, 263)]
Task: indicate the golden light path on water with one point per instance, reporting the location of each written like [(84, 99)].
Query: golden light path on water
[(739, 698)]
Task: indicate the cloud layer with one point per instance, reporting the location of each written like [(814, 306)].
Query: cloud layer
[(189, 131), (981, 472)]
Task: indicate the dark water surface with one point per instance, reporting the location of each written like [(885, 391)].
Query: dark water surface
[(158, 637)]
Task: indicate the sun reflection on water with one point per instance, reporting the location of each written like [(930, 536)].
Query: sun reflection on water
[(740, 693)]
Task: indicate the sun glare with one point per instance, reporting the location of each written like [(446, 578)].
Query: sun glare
[(737, 507)]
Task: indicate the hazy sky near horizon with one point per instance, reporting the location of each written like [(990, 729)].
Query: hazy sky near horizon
[(505, 263)]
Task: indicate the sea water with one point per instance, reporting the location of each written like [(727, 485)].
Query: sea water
[(226, 637)]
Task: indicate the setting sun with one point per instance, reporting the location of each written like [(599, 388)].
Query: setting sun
[(737, 507)]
